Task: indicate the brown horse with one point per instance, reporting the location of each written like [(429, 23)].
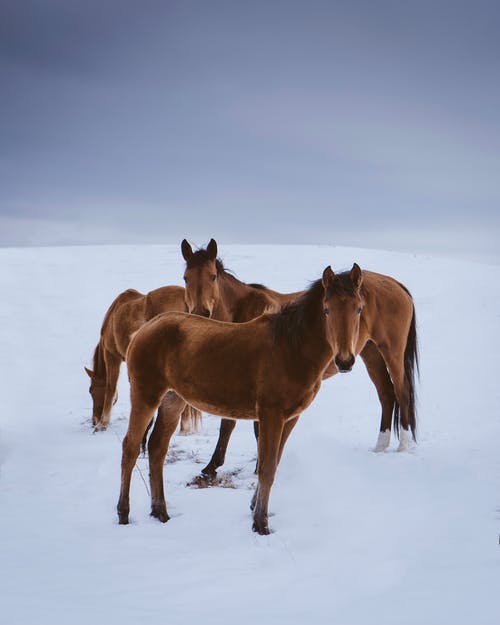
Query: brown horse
[(128, 312), (268, 370), (213, 292)]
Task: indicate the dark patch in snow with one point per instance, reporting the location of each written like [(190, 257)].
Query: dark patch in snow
[(226, 479)]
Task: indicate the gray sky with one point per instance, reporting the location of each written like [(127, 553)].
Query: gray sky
[(363, 123)]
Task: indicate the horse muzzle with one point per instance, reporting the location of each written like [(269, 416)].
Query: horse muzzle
[(344, 365), (202, 312)]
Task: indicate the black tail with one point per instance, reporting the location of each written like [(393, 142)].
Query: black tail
[(411, 364)]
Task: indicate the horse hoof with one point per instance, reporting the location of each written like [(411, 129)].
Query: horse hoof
[(123, 519), (261, 528), (404, 440), (159, 514), (383, 441), (209, 472)]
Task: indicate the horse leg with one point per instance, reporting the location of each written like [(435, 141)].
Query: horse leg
[(287, 430), (219, 455), (395, 366), (165, 425), (191, 415), (270, 433), (140, 415), (377, 370), (112, 372)]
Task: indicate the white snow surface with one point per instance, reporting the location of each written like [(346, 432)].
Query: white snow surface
[(358, 537)]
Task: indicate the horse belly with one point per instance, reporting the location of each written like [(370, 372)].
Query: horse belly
[(226, 412), (216, 394)]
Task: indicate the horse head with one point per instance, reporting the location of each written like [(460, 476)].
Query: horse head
[(97, 391), (342, 306), (201, 278)]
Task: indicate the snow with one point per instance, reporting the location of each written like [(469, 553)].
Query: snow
[(358, 537)]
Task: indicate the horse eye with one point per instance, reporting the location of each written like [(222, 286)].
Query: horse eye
[(213, 278), (359, 310), (326, 311)]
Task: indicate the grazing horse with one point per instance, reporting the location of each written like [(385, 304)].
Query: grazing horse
[(268, 370), (128, 312), (213, 292)]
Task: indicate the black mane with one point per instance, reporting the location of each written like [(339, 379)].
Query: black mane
[(292, 322), (256, 285)]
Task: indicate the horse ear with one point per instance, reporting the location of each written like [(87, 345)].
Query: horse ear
[(328, 277), (187, 250), (356, 275), (90, 373), (212, 249)]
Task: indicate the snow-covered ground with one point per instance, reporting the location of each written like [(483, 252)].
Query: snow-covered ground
[(359, 537)]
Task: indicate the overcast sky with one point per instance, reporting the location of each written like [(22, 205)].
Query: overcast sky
[(363, 123)]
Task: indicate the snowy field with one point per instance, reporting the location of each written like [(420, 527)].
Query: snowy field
[(358, 538)]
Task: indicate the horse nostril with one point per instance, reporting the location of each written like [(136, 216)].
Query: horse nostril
[(344, 365), (205, 312)]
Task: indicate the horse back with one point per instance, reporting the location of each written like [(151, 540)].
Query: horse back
[(125, 318), (282, 299), (164, 299), (127, 296), (388, 306), (255, 303)]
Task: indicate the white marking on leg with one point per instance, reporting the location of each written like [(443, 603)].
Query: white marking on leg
[(383, 440), (404, 440)]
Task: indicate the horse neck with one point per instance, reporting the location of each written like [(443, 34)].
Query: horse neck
[(232, 291), (99, 364), (309, 344), (287, 298), (314, 347)]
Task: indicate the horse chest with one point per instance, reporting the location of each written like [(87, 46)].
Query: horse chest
[(309, 396), (293, 403)]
